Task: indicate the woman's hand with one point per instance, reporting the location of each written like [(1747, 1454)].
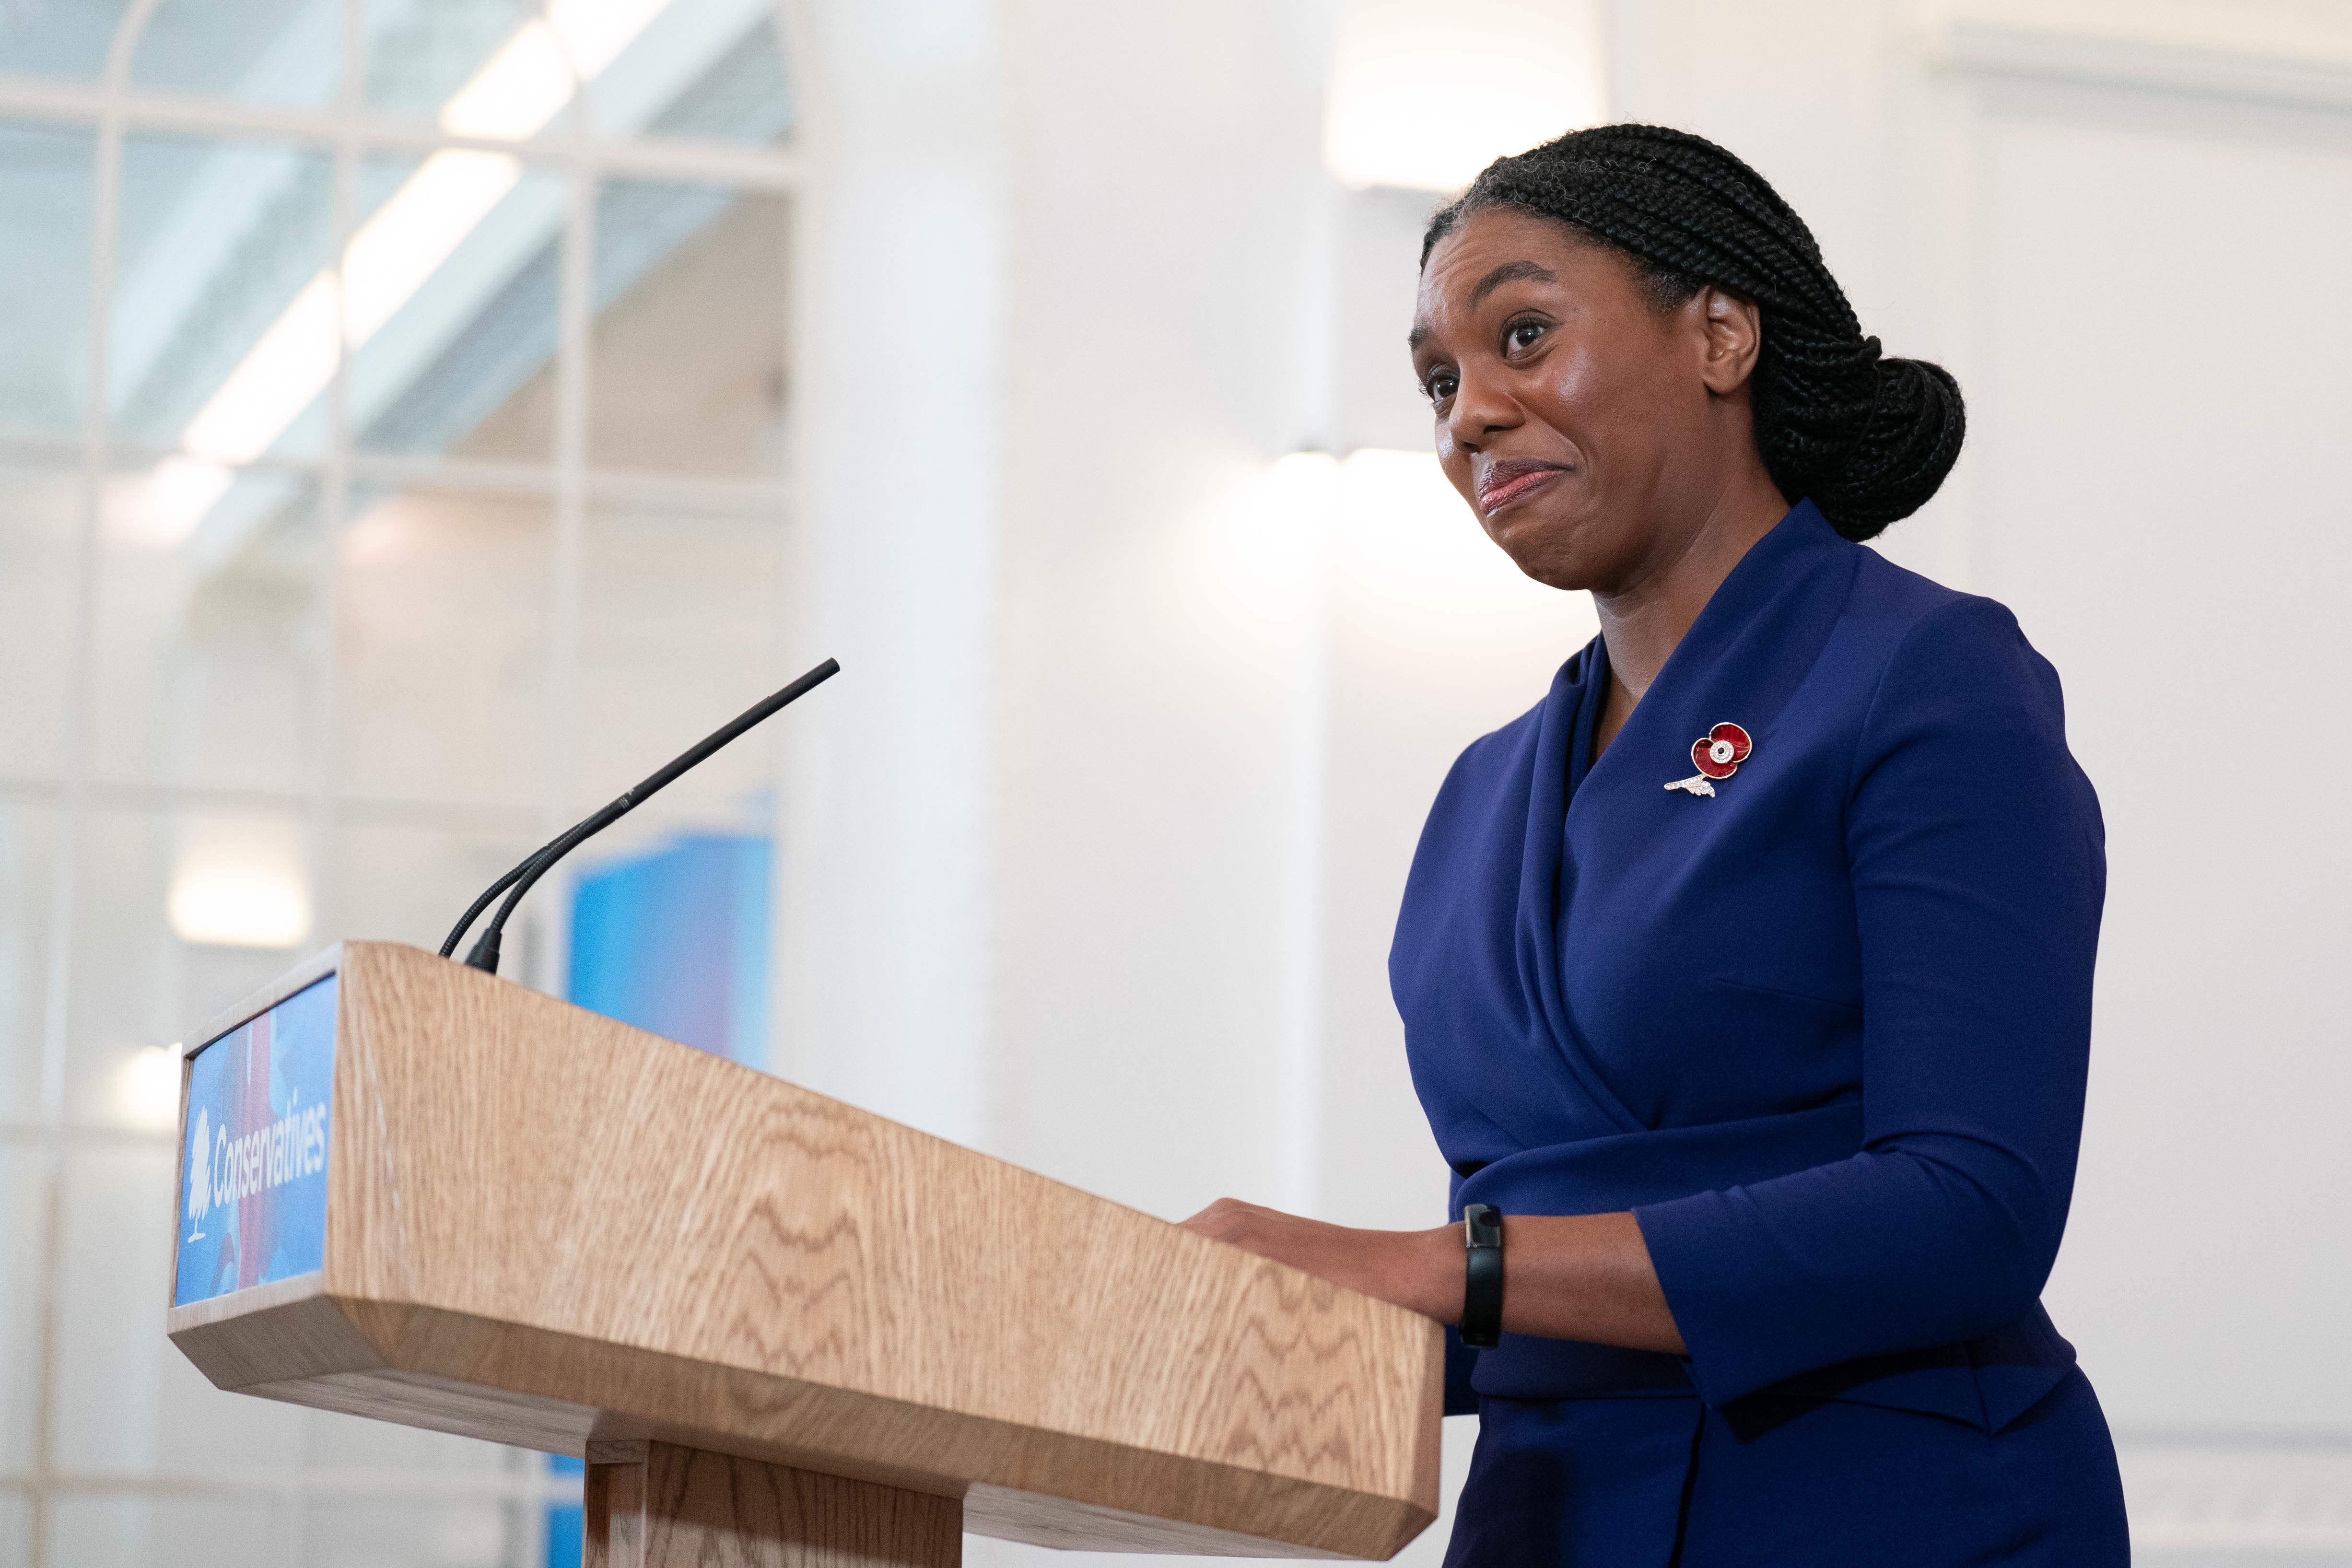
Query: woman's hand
[(1418, 1270), (1565, 1276)]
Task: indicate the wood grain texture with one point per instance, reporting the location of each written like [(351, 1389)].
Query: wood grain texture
[(659, 1505), (613, 1507), (286, 1329), (547, 1227)]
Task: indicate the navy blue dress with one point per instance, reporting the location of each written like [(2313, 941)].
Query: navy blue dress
[(1825, 1033)]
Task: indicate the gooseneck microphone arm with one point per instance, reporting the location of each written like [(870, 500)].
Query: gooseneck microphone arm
[(484, 954)]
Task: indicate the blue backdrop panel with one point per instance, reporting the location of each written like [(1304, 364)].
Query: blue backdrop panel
[(675, 940)]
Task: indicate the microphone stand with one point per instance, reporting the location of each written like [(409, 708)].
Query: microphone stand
[(484, 954)]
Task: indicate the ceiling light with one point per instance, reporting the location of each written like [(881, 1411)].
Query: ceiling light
[(524, 85), (521, 89), (274, 382), (160, 508), (594, 32), (395, 251)]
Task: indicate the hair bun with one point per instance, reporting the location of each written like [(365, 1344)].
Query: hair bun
[(1904, 447), (1867, 438)]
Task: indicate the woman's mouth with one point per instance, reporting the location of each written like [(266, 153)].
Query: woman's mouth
[(1507, 482)]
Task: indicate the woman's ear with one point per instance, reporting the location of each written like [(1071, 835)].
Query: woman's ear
[(1732, 334)]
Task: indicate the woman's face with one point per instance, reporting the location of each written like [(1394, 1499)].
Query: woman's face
[(1586, 428)]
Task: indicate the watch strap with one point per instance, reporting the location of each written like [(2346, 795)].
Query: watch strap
[(1482, 1284)]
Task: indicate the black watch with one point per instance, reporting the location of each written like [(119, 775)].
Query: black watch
[(1482, 1284)]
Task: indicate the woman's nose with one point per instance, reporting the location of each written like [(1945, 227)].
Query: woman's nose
[(1481, 409)]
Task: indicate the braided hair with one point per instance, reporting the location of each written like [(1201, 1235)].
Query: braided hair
[(1868, 439)]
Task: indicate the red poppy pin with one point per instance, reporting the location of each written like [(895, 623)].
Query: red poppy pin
[(1717, 755)]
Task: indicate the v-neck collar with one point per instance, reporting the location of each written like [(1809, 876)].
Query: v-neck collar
[(1496, 989), (1752, 581), (1584, 738)]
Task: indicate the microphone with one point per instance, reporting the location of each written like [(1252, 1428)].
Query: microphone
[(485, 955)]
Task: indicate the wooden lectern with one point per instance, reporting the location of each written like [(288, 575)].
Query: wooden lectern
[(781, 1330)]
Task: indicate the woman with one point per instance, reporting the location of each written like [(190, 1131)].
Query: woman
[(1746, 979)]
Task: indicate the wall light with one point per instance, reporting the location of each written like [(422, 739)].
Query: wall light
[(146, 1088), (525, 85), (1387, 523), (240, 882), (1424, 96), (1407, 535), (1269, 540)]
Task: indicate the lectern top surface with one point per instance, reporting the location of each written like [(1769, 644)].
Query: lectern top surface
[(253, 1171)]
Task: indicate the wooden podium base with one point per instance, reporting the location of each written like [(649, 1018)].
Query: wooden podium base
[(656, 1505)]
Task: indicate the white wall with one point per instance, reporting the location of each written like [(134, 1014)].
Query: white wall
[(2163, 509), (1166, 205), (898, 379), (2162, 505)]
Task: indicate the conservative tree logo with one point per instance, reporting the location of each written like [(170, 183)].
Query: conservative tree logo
[(200, 1174)]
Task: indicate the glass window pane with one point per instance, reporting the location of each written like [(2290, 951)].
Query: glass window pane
[(224, 331), (420, 52), (408, 1533), (681, 628), (710, 69), (59, 39), (181, 914), (45, 174), (209, 620), (441, 651), (337, 1442), (28, 835), (24, 1205), (262, 51), (40, 524), (128, 1401), (459, 362), (687, 367), (86, 1529), (121, 991), (393, 880)]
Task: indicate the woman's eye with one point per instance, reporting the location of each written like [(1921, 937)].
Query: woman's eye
[(1523, 334), (1439, 386)]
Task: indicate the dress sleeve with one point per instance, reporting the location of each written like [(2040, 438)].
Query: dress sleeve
[(1461, 1360), (1979, 869)]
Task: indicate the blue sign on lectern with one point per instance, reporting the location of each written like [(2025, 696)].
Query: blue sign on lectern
[(253, 1184)]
